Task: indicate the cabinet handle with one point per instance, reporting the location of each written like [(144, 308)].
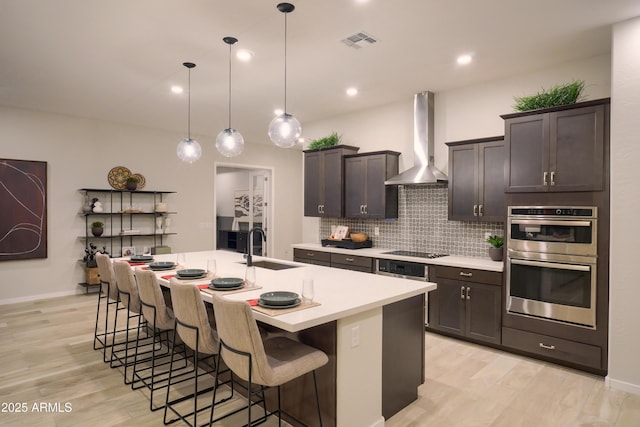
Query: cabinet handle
[(310, 254), (475, 210), (349, 259), (548, 347), (319, 211), (362, 209), (553, 178), (480, 210), (462, 273), (544, 178), (461, 292), (323, 209), (468, 292)]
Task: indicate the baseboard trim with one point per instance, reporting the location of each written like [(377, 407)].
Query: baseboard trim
[(40, 297), (621, 385)]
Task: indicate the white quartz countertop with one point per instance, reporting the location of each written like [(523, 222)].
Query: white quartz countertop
[(449, 261), (341, 293)]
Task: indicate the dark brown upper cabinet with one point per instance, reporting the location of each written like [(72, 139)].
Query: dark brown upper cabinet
[(324, 181), (366, 196), (476, 179), (557, 149)]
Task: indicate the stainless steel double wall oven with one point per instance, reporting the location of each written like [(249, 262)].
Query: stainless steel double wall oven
[(551, 263)]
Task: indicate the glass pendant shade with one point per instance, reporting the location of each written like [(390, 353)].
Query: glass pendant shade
[(189, 150), (285, 130), (230, 142)]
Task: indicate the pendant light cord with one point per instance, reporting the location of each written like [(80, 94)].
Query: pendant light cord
[(189, 109), (229, 127), (285, 63)]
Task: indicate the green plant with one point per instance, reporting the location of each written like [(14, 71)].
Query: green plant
[(327, 141), (133, 179), (97, 224), (495, 241), (568, 93)]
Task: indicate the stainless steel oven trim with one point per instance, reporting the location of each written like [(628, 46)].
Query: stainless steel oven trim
[(549, 311), (586, 249)]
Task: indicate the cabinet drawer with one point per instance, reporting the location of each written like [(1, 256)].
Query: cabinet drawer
[(359, 261), (311, 256), (556, 348), (467, 275)]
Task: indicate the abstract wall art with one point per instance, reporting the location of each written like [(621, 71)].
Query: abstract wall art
[(23, 209)]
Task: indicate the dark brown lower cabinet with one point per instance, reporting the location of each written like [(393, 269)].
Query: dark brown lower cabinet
[(556, 349), (309, 256), (467, 303)]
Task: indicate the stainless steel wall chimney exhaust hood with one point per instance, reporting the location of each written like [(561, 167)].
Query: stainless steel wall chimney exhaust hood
[(423, 170)]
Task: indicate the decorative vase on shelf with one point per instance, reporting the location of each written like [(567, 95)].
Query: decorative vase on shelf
[(97, 231), (166, 224), (131, 186), (159, 224)]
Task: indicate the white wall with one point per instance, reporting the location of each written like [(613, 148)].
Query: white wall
[(624, 312), (227, 182), (464, 113), (81, 152)]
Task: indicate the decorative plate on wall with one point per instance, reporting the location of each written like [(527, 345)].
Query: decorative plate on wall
[(118, 177), (141, 180)]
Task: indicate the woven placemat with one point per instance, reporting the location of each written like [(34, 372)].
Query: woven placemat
[(234, 291), (279, 311)]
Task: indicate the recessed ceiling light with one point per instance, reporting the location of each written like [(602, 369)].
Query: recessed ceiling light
[(352, 91), (177, 89), (464, 59), (244, 55), (278, 111)]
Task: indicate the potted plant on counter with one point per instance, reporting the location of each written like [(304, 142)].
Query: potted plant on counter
[(97, 228), (496, 249)]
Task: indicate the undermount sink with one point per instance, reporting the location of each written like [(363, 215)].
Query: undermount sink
[(270, 265)]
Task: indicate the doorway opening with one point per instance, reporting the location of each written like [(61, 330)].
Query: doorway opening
[(242, 201)]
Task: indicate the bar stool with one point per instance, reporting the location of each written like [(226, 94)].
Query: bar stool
[(269, 363), (128, 294), (108, 292), (195, 331), (161, 321)]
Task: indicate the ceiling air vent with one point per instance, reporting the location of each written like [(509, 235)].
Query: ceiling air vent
[(359, 40)]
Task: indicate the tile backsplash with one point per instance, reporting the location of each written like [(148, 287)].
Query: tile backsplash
[(422, 225)]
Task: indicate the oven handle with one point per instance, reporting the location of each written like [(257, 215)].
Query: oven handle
[(549, 222), (551, 265)]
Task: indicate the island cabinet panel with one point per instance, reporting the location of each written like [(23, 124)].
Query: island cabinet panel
[(559, 149), (324, 181), (476, 179), (467, 303), (312, 257), (366, 195), (402, 353)]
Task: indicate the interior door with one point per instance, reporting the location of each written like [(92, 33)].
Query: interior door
[(258, 207)]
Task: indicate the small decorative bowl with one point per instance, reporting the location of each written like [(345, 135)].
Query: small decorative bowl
[(359, 237)]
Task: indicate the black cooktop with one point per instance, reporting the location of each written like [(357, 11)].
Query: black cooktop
[(416, 254)]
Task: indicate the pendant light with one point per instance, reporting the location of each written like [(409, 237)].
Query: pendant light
[(230, 142), (188, 149), (284, 129)]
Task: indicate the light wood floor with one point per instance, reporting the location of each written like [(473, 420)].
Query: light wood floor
[(46, 356)]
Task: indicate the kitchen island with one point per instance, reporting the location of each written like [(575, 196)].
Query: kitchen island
[(371, 327)]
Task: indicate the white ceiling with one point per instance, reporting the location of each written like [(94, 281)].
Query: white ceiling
[(117, 59)]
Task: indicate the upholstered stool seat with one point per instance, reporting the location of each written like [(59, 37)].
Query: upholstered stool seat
[(270, 362)]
